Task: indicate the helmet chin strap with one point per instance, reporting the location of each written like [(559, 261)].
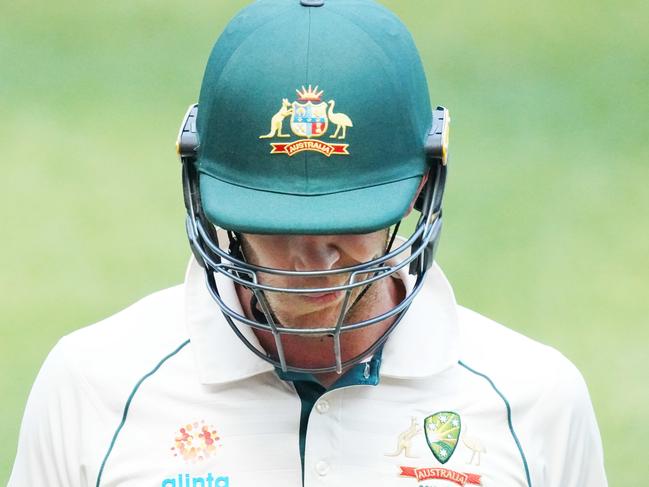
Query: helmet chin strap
[(236, 250)]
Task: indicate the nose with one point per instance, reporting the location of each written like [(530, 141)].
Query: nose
[(314, 252)]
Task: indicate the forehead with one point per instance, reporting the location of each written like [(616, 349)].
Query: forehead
[(281, 240)]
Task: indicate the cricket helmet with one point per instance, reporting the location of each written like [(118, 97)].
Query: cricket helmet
[(313, 118)]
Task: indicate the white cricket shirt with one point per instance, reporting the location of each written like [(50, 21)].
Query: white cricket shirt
[(163, 394)]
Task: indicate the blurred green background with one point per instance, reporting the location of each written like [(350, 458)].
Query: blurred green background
[(547, 201)]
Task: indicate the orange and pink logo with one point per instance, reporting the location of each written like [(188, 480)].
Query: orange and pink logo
[(195, 442)]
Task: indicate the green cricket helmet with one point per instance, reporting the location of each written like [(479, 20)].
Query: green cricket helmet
[(313, 118)]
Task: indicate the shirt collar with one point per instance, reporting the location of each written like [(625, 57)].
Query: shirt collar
[(425, 342), (220, 355)]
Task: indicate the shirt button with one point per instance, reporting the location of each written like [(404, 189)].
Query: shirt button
[(322, 406), (322, 468)]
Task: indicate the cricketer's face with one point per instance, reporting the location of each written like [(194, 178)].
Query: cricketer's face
[(311, 253)]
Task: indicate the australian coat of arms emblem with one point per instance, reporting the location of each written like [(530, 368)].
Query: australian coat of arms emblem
[(311, 118)]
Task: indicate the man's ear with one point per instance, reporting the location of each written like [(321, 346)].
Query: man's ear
[(422, 183)]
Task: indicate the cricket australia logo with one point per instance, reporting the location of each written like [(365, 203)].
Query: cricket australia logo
[(442, 431), (310, 119)]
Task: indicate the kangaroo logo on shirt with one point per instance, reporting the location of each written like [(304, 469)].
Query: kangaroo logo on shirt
[(404, 440), (442, 432)]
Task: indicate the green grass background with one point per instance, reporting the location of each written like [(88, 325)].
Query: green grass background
[(547, 201)]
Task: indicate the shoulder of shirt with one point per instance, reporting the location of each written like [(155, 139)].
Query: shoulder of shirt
[(515, 362), (121, 349), (156, 320)]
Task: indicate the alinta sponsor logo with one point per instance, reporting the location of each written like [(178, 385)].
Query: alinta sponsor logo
[(185, 480)]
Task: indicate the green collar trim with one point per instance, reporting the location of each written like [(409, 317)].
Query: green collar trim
[(365, 373)]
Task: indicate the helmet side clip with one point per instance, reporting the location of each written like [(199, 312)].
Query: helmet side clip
[(429, 201)]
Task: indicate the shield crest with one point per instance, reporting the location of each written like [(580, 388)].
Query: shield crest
[(442, 432), (309, 120)]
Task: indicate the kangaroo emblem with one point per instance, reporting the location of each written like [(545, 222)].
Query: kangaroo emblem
[(309, 119), (404, 440), (278, 120)]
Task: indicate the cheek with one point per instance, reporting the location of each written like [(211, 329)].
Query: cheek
[(265, 251), (362, 248), (271, 279)]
